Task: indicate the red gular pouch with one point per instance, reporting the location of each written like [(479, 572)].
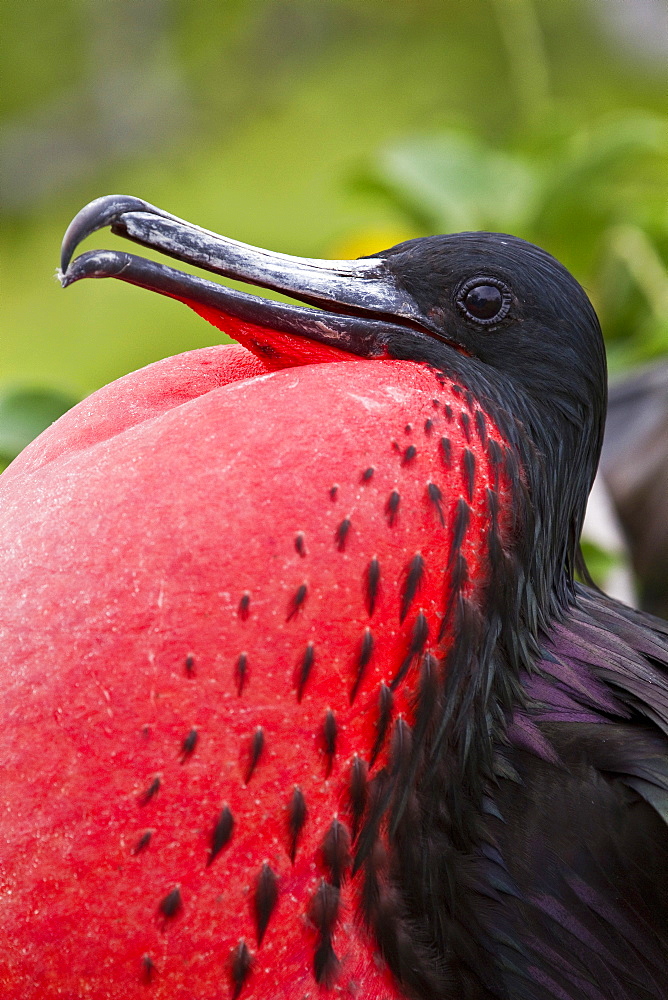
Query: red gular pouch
[(224, 590)]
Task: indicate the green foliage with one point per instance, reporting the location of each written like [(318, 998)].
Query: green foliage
[(452, 182), (40, 50), (25, 413), (599, 561)]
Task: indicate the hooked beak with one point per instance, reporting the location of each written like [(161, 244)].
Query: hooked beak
[(361, 305)]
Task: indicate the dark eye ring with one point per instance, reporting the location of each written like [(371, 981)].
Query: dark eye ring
[(484, 300)]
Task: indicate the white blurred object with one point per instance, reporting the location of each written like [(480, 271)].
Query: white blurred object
[(602, 529), (634, 464), (641, 26)]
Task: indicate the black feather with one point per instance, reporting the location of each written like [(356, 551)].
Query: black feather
[(419, 636), (481, 426), (303, 670), (363, 657), (385, 703), (436, 498), (370, 851), (412, 580), (222, 833), (244, 606), (171, 904), (297, 813), (392, 507), (256, 748), (300, 543), (329, 737), (358, 792), (324, 913), (468, 469), (151, 791), (459, 528), (297, 601), (240, 967), (465, 421), (265, 898), (143, 842), (241, 673), (148, 968), (446, 452), (372, 583), (336, 851), (495, 456), (188, 745), (342, 534), (400, 748)]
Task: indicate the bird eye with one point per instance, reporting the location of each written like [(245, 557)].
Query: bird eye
[(484, 300)]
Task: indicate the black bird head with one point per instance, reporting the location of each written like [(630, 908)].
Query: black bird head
[(529, 342)]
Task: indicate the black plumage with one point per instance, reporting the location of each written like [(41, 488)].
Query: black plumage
[(540, 866)]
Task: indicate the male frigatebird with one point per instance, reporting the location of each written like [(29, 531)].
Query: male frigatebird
[(301, 695)]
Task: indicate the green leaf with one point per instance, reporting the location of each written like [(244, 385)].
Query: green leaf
[(593, 154), (459, 183)]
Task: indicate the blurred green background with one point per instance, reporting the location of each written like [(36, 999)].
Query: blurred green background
[(325, 128)]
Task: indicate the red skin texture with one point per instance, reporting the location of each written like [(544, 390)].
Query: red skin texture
[(130, 531)]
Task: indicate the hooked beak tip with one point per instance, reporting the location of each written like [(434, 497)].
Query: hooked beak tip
[(96, 215)]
